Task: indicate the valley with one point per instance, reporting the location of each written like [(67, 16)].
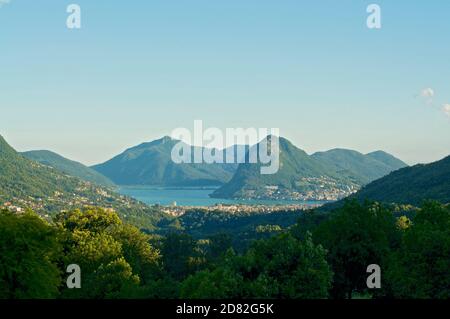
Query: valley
[(323, 176), (203, 227)]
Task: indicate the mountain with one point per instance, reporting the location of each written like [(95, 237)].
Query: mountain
[(411, 185), (68, 167), (29, 184), (151, 164), (358, 167), (327, 175), (387, 159), (299, 176)]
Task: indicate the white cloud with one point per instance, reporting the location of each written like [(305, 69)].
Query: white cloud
[(427, 96), (446, 109), (3, 2), (427, 93)]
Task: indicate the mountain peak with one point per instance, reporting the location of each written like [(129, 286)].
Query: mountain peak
[(165, 139), (283, 142), (151, 164), (387, 159), (378, 153), (161, 141)]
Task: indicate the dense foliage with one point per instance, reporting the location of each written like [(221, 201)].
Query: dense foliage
[(355, 237), (280, 267), (29, 251), (420, 268), (322, 256), (242, 226)]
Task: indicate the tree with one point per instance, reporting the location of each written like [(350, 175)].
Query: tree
[(284, 267), (115, 259), (219, 244), (181, 256), (220, 283), (356, 236), (115, 280), (143, 258), (403, 222), (92, 219), (29, 250), (421, 267), (308, 222), (279, 267)]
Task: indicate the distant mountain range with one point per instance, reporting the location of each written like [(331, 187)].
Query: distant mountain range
[(361, 168), (68, 167), (26, 183), (49, 183), (151, 164), (324, 175), (327, 175)]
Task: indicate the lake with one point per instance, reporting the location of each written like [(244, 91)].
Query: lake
[(193, 197)]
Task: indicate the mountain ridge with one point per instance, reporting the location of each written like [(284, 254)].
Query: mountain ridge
[(362, 168), (68, 166), (150, 163), (25, 183), (411, 185), (337, 173)]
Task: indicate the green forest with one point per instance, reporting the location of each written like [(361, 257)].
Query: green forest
[(321, 256)]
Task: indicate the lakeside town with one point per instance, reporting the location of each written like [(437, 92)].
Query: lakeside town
[(316, 192), (39, 205), (306, 189), (176, 211)]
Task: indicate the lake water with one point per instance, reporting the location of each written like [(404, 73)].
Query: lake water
[(193, 197)]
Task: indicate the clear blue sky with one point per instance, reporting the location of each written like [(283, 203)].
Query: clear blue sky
[(138, 69)]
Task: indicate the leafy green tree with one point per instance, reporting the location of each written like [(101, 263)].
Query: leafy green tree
[(280, 267), (181, 256), (307, 222), (143, 258), (220, 283), (421, 267), (287, 268), (93, 219), (219, 244), (115, 280), (403, 222), (29, 250), (162, 288), (115, 259), (356, 236)]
